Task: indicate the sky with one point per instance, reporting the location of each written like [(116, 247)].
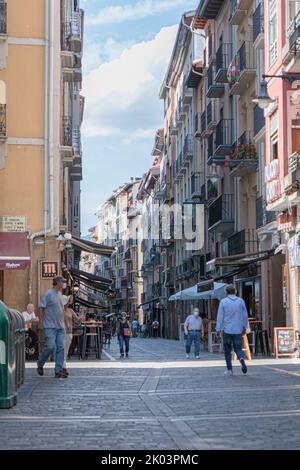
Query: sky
[(127, 46)]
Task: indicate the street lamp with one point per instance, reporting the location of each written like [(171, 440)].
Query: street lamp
[(264, 100)]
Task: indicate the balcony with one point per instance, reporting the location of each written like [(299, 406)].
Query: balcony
[(196, 190), (2, 122), (75, 172), (243, 242), (211, 116), (224, 137), (3, 18), (258, 26), (188, 149), (77, 143), (223, 59), (221, 214), (210, 149), (246, 71), (263, 217), (187, 97), (214, 90), (239, 10), (244, 159), (192, 80), (294, 34), (259, 119), (67, 140)]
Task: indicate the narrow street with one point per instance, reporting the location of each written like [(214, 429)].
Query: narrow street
[(157, 400)]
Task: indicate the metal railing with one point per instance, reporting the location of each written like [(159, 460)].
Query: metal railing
[(224, 132), (221, 210), (67, 131), (210, 112), (210, 146), (245, 56), (210, 76), (223, 56), (3, 120), (263, 217), (203, 121), (3, 17), (188, 148), (258, 21), (77, 140), (245, 241), (258, 118)]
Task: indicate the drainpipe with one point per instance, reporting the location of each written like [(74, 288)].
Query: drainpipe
[(48, 136)]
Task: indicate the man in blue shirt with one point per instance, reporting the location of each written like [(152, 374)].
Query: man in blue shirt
[(232, 321)]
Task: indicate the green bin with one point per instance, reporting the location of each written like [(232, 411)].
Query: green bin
[(8, 326), (20, 347)]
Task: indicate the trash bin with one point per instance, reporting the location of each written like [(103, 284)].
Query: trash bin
[(8, 325), (20, 347)]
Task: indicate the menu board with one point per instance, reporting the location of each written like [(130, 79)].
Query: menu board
[(284, 341)]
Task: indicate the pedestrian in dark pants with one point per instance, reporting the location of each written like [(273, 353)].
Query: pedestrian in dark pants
[(52, 318), (124, 333), (155, 327), (232, 322), (193, 328)]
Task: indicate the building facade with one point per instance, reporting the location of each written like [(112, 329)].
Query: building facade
[(40, 163)]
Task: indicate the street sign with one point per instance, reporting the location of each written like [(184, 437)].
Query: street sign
[(10, 223), (49, 269), (284, 341)]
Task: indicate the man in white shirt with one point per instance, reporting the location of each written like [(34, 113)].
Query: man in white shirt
[(29, 315), (193, 329)]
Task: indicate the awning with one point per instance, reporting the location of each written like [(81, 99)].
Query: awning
[(86, 303), (91, 247), (96, 283), (156, 299), (218, 292), (90, 276), (14, 251)]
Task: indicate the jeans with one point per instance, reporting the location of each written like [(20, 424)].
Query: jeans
[(124, 340), (54, 343), (193, 336), (232, 340), (68, 341)]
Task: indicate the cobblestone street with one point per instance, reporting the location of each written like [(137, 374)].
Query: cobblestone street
[(156, 400)]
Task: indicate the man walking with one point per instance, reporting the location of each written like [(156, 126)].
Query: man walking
[(192, 328), (52, 316), (232, 321)]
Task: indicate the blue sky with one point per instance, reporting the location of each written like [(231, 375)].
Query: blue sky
[(126, 50)]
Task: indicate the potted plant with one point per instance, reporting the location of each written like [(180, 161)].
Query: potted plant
[(245, 152)]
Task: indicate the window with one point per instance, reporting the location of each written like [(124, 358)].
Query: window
[(273, 31)]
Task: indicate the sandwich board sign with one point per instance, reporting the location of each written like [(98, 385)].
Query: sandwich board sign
[(285, 341)]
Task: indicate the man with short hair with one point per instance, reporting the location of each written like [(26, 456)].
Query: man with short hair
[(193, 327), (232, 321), (52, 314)]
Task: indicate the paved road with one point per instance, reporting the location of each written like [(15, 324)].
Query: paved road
[(157, 399)]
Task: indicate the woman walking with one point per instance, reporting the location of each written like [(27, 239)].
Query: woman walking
[(123, 331)]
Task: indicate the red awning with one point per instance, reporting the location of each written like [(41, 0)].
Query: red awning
[(14, 251)]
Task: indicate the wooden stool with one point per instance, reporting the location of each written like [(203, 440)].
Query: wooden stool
[(93, 333)]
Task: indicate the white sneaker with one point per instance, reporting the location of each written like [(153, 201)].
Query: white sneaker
[(187, 356), (228, 372), (197, 357)]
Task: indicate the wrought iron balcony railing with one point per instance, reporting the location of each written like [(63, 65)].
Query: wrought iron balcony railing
[(223, 58), (188, 148), (3, 17), (221, 210), (67, 136), (258, 21), (224, 135), (245, 241)]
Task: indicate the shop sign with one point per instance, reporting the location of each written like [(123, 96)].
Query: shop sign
[(272, 181), (49, 269), (294, 251), (284, 341), (287, 221), (9, 223)]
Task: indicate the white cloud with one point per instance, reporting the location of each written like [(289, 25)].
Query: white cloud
[(142, 9), (96, 53), (122, 95)]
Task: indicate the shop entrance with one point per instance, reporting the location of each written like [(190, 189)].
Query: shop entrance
[(249, 290)]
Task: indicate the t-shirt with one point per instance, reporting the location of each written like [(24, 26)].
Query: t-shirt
[(29, 316), (52, 302), (193, 323)]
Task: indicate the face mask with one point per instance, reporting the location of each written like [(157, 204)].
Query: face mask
[(196, 314), (64, 285)]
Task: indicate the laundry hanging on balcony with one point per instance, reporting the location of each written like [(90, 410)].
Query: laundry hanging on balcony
[(232, 71)]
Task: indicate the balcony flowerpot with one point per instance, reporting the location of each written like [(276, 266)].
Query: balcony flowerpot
[(244, 160)]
